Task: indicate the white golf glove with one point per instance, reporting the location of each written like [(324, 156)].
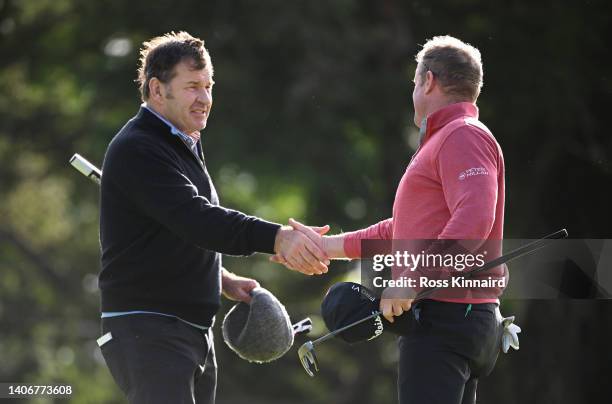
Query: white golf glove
[(510, 335)]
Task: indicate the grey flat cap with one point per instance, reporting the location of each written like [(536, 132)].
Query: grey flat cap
[(259, 332)]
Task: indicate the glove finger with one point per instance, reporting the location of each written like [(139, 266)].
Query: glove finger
[(505, 343), (514, 330), (515, 341)]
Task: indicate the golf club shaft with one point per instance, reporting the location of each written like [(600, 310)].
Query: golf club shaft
[(346, 327), (526, 249)]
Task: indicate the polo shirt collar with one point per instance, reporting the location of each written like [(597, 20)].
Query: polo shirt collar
[(444, 116)]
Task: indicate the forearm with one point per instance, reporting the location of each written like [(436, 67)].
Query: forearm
[(219, 229)]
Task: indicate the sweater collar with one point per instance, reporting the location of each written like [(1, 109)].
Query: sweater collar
[(146, 117), (444, 116)]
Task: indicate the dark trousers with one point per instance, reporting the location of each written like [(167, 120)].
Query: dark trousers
[(446, 351), (158, 359)]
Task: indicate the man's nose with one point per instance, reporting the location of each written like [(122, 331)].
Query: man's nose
[(205, 96)]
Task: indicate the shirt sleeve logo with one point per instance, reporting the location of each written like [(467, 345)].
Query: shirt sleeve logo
[(471, 172)]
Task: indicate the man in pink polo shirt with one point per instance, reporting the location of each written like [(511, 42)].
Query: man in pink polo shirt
[(453, 189)]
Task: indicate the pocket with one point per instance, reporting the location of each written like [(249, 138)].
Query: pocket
[(484, 324), (487, 341)]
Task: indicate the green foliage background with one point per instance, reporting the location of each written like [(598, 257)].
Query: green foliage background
[(312, 119)]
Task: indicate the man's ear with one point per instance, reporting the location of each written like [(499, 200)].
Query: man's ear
[(429, 82), (155, 90)]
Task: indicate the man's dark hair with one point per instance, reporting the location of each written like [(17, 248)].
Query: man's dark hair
[(160, 55)]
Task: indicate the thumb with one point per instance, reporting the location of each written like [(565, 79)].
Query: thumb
[(307, 230), (244, 296), (386, 310), (320, 230), (251, 284)]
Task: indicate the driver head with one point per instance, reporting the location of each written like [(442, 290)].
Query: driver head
[(308, 359)]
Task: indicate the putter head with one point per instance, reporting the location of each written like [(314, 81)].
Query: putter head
[(308, 359)]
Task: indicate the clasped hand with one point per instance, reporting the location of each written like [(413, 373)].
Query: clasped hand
[(301, 248)]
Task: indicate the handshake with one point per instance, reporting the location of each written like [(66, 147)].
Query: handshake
[(304, 249)]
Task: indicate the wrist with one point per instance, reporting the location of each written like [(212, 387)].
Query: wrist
[(334, 246), (281, 235), (226, 277)]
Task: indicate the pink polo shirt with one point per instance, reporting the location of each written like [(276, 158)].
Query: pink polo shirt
[(453, 188)]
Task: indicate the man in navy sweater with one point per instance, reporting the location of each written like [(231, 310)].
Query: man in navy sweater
[(162, 233)]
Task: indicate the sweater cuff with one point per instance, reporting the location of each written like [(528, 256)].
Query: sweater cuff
[(263, 236)]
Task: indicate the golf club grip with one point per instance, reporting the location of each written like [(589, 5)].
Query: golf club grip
[(526, 249), (86, 168)]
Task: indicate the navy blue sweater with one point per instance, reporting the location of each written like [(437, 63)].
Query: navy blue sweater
[(162, 229)]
